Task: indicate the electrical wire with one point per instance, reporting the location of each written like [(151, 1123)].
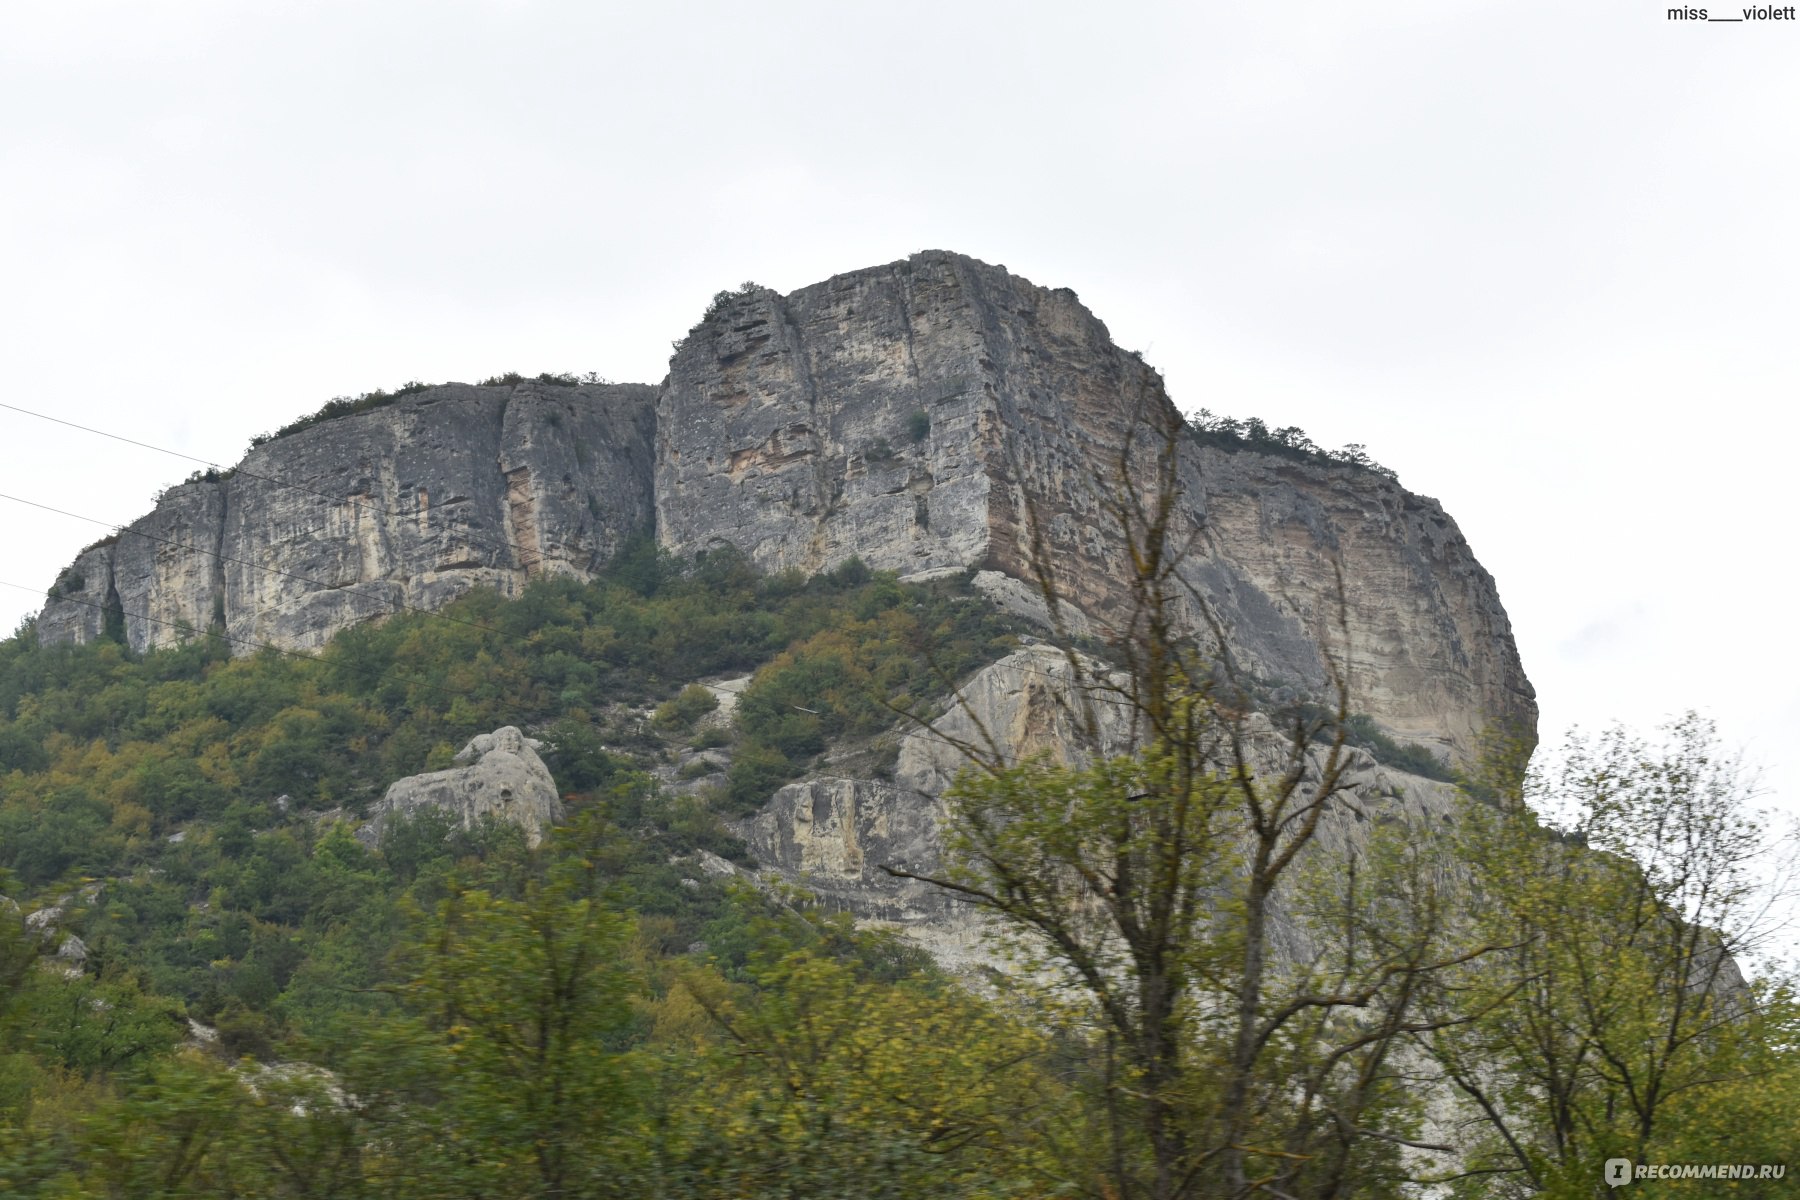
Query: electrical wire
[(126, 530), (270, 479)]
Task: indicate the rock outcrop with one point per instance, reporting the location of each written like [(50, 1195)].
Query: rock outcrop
[(406, 506), (932, 415), (939, 413), (503, 778), (833, 836)]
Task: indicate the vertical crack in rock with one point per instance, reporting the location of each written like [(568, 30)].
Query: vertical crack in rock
[(521, 522), (216, 612), (112, 617)]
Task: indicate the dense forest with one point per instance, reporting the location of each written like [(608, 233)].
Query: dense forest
[(211, 987)]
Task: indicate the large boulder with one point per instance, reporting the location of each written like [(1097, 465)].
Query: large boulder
[(503, 777)]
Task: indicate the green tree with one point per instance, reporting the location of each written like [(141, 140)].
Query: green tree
[(1151, 876), (1626, 883), (815, 1079), (172, 1135), (506, 1072)]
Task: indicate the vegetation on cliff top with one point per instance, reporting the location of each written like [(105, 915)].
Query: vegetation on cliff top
[(1232, 434), (346, 406)]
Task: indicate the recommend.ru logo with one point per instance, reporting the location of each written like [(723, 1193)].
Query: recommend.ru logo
[(1621, 1171)]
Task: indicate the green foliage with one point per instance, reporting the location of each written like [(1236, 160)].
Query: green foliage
[(831, 1083), (918, 425), (1290, 441), (858, 675), (756, 772), (112, 620), (91, 1027), (598, 1016), (345, 406), (66, 831), (1751, 1113), (549, 378), (1610, 1022), (192, 784), (70, 580), (1094, 872), (523, 1002), (1361, 731), (723, 299), (685, 708), (697, 769), (534, 1037)]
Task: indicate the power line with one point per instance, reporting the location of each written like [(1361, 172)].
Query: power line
[(319, 583), (534, 556), (270, 479)]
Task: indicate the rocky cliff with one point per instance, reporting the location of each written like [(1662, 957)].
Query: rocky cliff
[(930, 415), (406, 506), (938, 413), (834, 835)]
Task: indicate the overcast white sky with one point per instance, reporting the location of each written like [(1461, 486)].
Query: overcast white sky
[(1541, 258)]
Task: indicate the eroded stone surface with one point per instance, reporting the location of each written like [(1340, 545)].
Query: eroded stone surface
[(939, 413), (407, 506), (833, 836), (502, 777), (929, 416)]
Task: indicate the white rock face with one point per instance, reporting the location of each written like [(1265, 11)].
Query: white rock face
[(833, 836), (363, 516), (929, 416), (940, 413), (504, 778)]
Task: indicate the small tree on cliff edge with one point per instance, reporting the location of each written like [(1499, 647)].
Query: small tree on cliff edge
[(1145, 879)]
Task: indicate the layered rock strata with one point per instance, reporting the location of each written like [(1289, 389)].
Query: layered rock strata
[(928, 416), (406, 506), (938, 414)]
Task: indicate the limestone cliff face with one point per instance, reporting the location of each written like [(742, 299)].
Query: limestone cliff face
[(931, 415), (1429, 648), (834, 835), (404, 506), (936, 413)]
